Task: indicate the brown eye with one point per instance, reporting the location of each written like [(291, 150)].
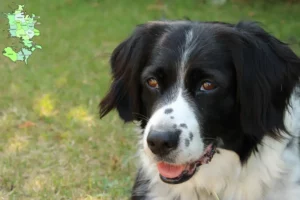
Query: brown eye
[(152, 82), (207, 86)]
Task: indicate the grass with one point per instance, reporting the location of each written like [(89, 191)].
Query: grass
[(53, 146)]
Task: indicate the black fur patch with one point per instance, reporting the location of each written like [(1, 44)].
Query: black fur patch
[(191, 136), (183, 125), (187, 142), (168, 110)]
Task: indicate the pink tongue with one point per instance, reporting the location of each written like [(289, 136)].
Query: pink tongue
[(170, 171)]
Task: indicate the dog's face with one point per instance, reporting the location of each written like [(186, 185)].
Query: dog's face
[(186, 88), (198, 87)]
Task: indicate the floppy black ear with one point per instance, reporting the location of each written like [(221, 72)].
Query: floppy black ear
[(267, 71), (127, 62)]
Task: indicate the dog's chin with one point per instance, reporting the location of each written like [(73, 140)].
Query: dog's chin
[(175, 174)]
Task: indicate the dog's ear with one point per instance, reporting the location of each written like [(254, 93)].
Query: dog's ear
[(127, 62), (267, 71)]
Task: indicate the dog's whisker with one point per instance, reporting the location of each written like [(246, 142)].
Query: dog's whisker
[(141, 116)]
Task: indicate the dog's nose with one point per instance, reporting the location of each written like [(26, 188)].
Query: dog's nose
[(161, 143)]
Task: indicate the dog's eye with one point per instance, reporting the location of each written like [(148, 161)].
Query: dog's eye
[(207, 86), (152, 82)]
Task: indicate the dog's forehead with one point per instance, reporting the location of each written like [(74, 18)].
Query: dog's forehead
[(186, 45)]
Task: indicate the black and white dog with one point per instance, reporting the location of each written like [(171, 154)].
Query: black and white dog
[(219, 108)]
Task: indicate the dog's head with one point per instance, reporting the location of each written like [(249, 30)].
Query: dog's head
[(199, 86)]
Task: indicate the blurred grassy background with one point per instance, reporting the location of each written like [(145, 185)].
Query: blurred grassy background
[(53, 146)]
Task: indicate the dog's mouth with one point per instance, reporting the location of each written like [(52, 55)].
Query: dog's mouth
[(175, 174)]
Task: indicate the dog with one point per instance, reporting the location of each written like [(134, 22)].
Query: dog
[(218, 105)]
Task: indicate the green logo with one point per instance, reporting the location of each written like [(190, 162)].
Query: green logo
[(22, 26)]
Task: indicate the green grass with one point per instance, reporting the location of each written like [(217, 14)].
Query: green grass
[(53, 146)]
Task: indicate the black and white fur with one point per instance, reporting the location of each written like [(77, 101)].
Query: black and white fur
[(254, 113)]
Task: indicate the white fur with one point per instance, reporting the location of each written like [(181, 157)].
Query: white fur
[(271, 174), (183, 114), (187, 49)]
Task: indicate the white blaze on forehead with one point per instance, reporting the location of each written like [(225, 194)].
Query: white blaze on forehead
[(186, 50)]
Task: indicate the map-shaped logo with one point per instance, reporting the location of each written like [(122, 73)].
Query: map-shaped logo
[(22, 26)]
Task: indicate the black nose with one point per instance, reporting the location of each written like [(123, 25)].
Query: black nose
[(161, 143)]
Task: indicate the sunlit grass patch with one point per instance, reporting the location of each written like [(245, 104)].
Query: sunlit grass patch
[(81, 115), (36, 183), (4, 119), (16, 144), (11, 116), (3, 195), (45, 106)]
